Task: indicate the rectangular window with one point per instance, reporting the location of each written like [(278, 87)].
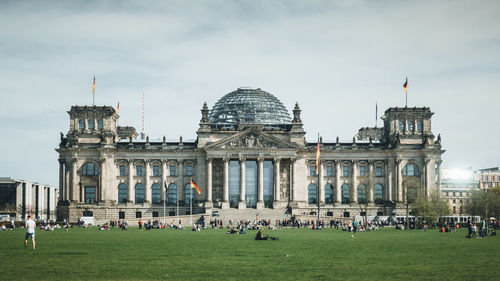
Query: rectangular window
[(419, 125), (138, 215), (138, 170), (156, 171), (89, 194), (410, 126), (312, 171), (189, 171), (88, 213), (123, 171), (81, 124), (379, 171), (99, 124), (173, 171), (401, 126), (329, 171), (91, 124), (155, 214), (345, 171), (362, 171), (121, 215)]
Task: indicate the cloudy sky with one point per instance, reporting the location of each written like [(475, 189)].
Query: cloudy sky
[(335, 58)]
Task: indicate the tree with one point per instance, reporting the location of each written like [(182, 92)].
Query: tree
[(484, 203), (430, 208)]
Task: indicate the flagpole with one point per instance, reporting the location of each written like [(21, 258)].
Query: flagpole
[(319, 188), (164, 199), (191, 207), (177, 213)]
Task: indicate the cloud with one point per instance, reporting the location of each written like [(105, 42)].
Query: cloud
[(335, 58)]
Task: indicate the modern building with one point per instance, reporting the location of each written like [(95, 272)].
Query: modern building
[(19, 198), (250, 154), (488, 178), (456, 186)]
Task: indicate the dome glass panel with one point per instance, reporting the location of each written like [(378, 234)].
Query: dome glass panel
[(249, 106)]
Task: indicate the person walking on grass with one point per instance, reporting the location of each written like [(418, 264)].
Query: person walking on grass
[(30, 232)]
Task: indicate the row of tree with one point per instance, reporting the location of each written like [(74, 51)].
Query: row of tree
[(483, 203)]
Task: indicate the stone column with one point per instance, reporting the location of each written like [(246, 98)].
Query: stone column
[(370, 185), (102, 180), (260, 187), (61, 178), (426, 178), (147, 185), (225, 185), (242, 204), (209, 203), (389, 182), (130, 191), (338, 191), (66, 182), (439, 175), (293, 190), (164, 183), (399, 180), (75, 183), (321, 183), (180, 181), (277, 198), (354, 182)]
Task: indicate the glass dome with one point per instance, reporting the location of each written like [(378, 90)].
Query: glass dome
[(249, 106)]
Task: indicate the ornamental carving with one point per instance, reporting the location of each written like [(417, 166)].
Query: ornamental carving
[(250, 141)]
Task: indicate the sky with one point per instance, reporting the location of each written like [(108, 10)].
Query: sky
[(337, 59)]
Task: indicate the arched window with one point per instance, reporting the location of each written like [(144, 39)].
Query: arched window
[(155, 194), (188, 193), (172, 194), (328, 193), (139, 193), (122, 193), (378, 194), (345, 194), (90, 169), (311, 194), (411, 170), (362, 194)]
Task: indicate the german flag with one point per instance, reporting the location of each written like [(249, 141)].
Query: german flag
[(194, 185), (405, 85), (93, 86), (118, 108)]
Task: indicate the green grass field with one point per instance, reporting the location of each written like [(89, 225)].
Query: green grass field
[(300, 254)]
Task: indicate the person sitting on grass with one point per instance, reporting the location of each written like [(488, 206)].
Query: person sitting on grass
[(232, 231), (259, 236), (242, 230)]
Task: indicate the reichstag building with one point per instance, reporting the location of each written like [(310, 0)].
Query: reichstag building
[(250, 153)]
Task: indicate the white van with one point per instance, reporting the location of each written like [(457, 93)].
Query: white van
[(4, 217)]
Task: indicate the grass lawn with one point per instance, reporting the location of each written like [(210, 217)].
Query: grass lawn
[(300, 254)]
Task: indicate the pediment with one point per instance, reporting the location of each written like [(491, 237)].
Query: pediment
[(252, 140)]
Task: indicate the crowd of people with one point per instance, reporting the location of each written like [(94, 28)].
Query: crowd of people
[(482, 229)]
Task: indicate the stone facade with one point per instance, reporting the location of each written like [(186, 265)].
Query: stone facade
[(249, 165)]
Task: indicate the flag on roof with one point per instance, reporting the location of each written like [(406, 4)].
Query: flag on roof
[(405, 85)]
